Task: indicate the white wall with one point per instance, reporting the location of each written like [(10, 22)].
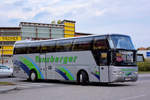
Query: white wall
[(145, 53)]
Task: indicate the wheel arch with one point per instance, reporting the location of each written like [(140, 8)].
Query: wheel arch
[(33, 70), (79, 72)]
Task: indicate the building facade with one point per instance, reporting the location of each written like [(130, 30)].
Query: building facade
[(8, 36), (146, 53), (33, 31), (41, 31), (69, 28)]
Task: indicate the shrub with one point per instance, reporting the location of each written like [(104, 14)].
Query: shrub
[(144, 66)]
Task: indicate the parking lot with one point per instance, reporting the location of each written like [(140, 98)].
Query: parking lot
[(55, 90)]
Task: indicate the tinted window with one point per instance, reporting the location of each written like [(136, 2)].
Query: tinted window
[(100, 42), (103, 59), (64, 45), (33, 47), (82, 44), (48, 46), (20, 48), (3, 67), (122, 42)]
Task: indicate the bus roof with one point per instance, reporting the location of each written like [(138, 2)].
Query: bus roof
[(26, 41)]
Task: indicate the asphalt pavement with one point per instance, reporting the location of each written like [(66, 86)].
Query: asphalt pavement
[(50, 90)]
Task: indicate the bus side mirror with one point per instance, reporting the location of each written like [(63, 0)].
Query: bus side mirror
[(139, 58)]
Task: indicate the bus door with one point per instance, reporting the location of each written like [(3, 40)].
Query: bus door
[(50, 69), (104, 68), (42, 64)]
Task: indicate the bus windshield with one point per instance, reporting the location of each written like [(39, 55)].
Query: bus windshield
[(124, 58), (124, 53), (122, 42)]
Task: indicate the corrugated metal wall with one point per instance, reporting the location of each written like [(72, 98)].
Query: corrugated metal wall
[(57, 33), (42, 32)]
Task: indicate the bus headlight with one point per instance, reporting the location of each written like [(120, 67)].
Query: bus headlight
[(118, 72), (135, 72)]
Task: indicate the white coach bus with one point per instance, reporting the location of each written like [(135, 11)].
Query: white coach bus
[(101, 58)]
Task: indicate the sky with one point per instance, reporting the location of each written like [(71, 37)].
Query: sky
[(131, 17)]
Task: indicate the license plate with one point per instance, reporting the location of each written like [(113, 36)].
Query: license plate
[(128, 78)]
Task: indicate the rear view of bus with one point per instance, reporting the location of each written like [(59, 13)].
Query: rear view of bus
[(123, 59)]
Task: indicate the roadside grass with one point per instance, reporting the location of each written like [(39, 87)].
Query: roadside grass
[(144, 72), (144, 67), (6, 83)]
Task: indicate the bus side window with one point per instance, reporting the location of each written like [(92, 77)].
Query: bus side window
[(15, 49), (82, 44), (43, 48), (103, 59), (64, 45), (33, 47), (20, 48), (48, 46), (100, 43), (51, 46)]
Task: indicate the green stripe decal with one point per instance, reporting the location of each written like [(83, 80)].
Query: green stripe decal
[(30, 65), (68, 74), (128, 73), (97, 73), (128, 69)]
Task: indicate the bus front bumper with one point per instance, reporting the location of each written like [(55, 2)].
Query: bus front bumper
[(125, 78), (118, 78)]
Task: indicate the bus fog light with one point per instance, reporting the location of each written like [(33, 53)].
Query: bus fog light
[(120, 73), (135, 72)]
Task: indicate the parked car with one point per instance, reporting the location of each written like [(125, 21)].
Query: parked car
[(6, 71)]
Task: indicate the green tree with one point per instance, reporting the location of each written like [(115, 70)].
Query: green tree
[(53, 22), (59, 22), (148, 48)]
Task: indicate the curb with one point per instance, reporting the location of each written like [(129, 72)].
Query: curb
[(4, 89), (31, 86)]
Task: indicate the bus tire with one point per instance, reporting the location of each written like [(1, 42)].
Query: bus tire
[(33, 76), (82, 78)]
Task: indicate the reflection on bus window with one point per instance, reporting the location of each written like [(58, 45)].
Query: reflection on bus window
[(82, 44), (122, 42), (103, 59), (100, 43), (64, 45)]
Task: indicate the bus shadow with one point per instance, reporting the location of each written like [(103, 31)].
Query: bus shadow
[(89, 84), (111, 84)]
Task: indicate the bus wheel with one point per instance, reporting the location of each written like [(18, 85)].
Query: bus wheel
[(82, 78), (33, 76)]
